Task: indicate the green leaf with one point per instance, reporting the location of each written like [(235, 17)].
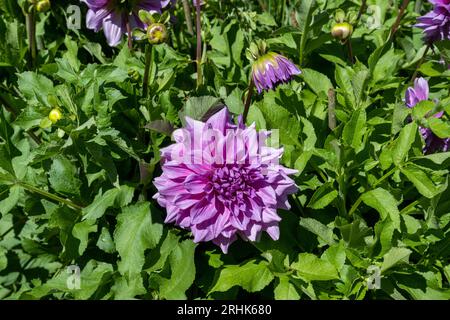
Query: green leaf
[(182, 267), (304, 18), (335, 254), (105, 241), (439, 127), (319, 83), (128, 288), (322, 231), (7, 204), (354, 129), (117, 197), (81, 231), (404, 142), (63, 176), (252, 276), (421, 181), (3, 259), (197, 107), (395, 256), (285, 290), (35, 88), (323, 196), (135, 232), (312, 268), (384, 202)]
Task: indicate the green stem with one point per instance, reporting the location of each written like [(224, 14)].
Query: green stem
[(49, 195), (358, 202), (149, 56), (31, 32), (304, 36), (248, 100), (188, 17), (199, 45), (396, 25)]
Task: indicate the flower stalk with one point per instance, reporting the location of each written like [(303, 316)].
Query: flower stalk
[(31, 32), (199, 44)]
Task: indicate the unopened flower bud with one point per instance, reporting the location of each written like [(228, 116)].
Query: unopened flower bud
[(342, 31), (55, 115), (157, 33), (134, 75), (43, 5)]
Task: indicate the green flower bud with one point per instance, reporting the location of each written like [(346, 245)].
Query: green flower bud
[(43, 6), (134, 75), (342, 31), (157, 33)]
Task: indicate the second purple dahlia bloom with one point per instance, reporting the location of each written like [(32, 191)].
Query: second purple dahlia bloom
[(436, 23), (220, 180), (112, 16), (414, 95), (271, 69)]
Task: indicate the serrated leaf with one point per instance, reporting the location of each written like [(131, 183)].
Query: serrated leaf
[(286, 290), (322, 231), (182, 267), (384, 202), (404, 142), (135, 232), (394, 257), (312, 268), (63, 176), (252, 276)]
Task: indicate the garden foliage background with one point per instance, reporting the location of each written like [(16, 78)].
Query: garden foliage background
[(78, 192)]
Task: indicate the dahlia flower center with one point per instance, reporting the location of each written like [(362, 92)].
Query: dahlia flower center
[(232, 183)]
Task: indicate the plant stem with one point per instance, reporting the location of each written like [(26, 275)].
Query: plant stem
[(130, 35), (360, 12), (199, 45), (350, 51), (331, 109), (358, 202), (418, 6), (188, 16), (149, 56), (399, 17), (421, 62), (248, 100), (31, 32), (49, 195)]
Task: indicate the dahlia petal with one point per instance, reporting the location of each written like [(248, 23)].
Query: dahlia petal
[(113, 28)]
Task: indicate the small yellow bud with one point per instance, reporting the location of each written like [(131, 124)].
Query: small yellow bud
[(55, 115), (157, 33), (43, 6), (342, 31)]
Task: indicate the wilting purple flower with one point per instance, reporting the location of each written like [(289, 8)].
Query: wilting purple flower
[(420, 92), (113, 15), (272, 69), (220, 180), (436, 23)]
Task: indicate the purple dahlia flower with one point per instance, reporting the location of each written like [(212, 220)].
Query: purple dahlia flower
[(220, 180), (420, 92), (113, 15), (271, 69), (436, 23)]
